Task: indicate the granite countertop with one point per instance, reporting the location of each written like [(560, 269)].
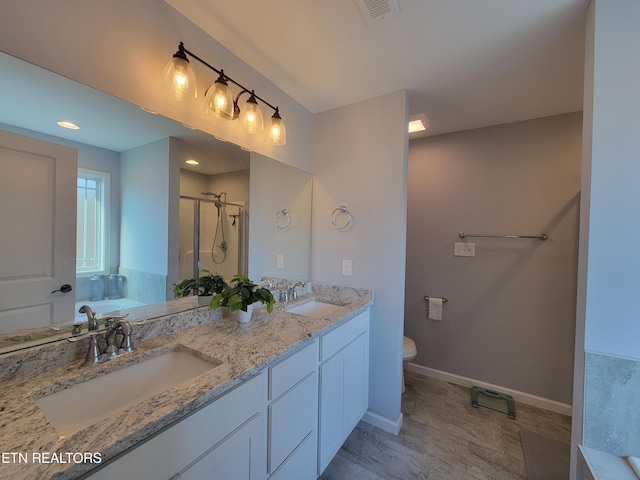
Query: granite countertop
[(243, 349)]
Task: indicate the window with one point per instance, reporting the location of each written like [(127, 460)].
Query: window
[(92, 226)]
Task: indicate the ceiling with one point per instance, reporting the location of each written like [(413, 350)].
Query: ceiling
[(465, 63)]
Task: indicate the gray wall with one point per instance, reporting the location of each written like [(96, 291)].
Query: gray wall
[(278, 186), (606, 384), (360, 161), (511, 311), (149, 230), (613, 327)]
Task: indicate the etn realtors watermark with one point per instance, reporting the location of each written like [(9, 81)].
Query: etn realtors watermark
[(50, 457)]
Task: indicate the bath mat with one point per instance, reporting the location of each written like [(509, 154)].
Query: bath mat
[(544, 458)]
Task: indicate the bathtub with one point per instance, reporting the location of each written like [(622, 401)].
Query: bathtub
[(105, 306)]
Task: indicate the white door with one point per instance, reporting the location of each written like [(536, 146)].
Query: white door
[(37, 231)]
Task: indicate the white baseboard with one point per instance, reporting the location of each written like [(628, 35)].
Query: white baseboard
[(527, 398), (383, 422)]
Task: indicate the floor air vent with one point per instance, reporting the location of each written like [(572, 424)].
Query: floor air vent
[(500, 402)]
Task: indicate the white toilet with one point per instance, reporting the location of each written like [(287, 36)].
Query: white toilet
[(409, 352)]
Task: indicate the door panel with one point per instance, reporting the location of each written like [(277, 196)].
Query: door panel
[(37, 239)]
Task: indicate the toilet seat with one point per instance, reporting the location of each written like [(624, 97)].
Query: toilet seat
[(409, 350)]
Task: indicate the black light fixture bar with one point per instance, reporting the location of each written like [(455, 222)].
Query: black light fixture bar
[(182, 48)]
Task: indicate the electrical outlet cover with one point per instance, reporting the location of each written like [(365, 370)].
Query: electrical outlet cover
[(346, 268), (464, 249)]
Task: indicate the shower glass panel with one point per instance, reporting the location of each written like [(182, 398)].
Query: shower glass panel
[(211, 237), (187, 232)]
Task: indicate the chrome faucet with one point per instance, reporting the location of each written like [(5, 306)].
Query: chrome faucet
[(92, 322), (119, 328), (292, 292), (117, 337), (270, 284)]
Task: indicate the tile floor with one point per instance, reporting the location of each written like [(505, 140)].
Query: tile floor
[(444, 438)]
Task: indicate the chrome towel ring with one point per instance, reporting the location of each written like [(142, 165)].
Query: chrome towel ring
[(337, 213), (280, 223)]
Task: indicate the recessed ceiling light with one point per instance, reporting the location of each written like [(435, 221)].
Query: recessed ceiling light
[(193, 162), (69, 125), (418, 123)]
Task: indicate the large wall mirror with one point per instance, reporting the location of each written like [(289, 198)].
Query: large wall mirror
[(166, 201)]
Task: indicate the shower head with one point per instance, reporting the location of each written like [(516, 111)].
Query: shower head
[(211, 194)]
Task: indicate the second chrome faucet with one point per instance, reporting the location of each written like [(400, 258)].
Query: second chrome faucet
[(290, 293)]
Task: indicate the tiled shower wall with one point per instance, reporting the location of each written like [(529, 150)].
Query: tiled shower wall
[(144, 287), (612, 404)]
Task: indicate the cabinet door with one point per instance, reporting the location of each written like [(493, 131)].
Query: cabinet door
[(344, 395), (356, 383), (331, 402), (302, 463), (238, 457)]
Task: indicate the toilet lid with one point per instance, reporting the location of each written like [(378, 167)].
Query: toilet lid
[(408, 347)]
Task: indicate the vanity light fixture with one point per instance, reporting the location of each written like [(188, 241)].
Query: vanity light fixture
[(179, 82), (69, 125), (418, 123)]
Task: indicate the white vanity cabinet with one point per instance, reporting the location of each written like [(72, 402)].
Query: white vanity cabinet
[(344, 384), (286, 423), (224, 440), (292, 430)]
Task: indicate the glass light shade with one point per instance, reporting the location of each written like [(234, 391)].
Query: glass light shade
[(219, 100), (250, 119), (178, 79), (277, 132)]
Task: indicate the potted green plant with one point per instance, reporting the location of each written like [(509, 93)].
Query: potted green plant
[(204, 287), (241, 295)]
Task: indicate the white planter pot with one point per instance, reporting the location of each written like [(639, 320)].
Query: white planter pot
[(244, 317), (204, 300)]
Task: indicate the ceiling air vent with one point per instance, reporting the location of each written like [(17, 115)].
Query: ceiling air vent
[(377, 10)]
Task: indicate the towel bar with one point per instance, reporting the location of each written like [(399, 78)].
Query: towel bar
[(444, 299)]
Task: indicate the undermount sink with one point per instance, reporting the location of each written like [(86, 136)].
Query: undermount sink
[(86, 403), (315, 308)]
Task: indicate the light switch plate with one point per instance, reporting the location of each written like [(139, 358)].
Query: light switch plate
[(346, 268), (279, 261), (464, 249)]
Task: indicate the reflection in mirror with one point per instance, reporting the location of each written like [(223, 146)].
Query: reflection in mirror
[(213, 204), (149, 235), (279, 252)]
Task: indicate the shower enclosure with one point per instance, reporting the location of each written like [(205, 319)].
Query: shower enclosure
[(212, 236)]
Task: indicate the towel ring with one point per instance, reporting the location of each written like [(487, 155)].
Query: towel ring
[(284, 213), (341, 210)]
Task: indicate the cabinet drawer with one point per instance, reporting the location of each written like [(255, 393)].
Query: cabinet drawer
[(291, 418), (291, 370), (334, 341)]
